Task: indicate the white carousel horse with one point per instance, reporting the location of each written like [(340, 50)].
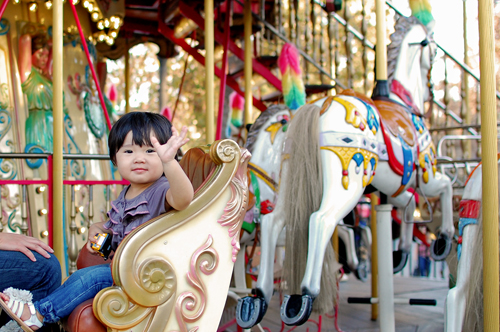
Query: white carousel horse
[(464, 304), (332, 150)]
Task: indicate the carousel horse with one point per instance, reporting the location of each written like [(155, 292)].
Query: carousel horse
[(464, 303), (332, 149)]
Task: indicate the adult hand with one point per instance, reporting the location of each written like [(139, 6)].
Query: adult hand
[(168, 151), (24, 244)]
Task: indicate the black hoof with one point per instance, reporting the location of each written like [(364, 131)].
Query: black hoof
[(399, 259), (296, 309), (250, 311), (362, 271), (441, 247)]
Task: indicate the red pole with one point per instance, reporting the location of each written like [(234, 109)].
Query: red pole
[(2, 8), (91, 65), (222, 93)]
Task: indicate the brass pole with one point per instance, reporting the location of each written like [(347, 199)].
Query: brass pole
[(465, 85), (490, 167), (58, 122), (335, 242), (374, 260), (248, 61), (209, 67), (127, 79), (381, 49)]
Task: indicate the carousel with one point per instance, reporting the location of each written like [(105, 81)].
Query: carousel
[(336, 148)]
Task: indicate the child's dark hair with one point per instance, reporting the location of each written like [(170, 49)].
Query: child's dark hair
[(141, 124)]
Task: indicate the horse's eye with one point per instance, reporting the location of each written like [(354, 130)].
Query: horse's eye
[(424, 42), (284, 122)]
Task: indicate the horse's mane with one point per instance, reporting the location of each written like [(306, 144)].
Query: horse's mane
[(261, 120), (403, 25)]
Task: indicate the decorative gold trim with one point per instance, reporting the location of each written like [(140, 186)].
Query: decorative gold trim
[(352, 114), (345, 155), (205, 260), (431, 152)]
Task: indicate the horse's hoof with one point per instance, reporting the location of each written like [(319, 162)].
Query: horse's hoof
[(250, 311), (361, 271), (399, 259), (441, 247), (296, 309)]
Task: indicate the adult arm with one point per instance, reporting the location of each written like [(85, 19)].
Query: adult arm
[(24, 244)]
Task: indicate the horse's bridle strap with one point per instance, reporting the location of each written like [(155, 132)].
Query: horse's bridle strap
[(263, 176)]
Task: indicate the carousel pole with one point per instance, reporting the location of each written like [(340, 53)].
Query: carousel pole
[(490, 166), (374, 261), (248, 61), (209, 67), (383, 222), (57, 81)]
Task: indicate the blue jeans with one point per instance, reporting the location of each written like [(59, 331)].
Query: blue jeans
[(41, 277), (81, 286)]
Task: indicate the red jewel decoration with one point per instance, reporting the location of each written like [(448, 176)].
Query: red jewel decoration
[(366, 173), (345, 173), (373, 173), (459, 240), (356, 113), (362, 127), (424, 169)]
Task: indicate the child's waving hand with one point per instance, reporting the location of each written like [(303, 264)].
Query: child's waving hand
[(167, 151)]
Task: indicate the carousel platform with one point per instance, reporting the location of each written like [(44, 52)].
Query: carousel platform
[(357, 317)]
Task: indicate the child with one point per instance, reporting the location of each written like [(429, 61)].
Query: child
[(143, 146)]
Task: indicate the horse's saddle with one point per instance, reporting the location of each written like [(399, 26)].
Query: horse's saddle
[(399, 133)]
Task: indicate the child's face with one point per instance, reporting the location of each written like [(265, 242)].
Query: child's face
[(138, 164)]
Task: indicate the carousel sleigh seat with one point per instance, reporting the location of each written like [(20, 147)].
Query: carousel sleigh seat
[(173, 272)]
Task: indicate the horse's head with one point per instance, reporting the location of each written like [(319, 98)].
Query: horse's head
[(410, 57)]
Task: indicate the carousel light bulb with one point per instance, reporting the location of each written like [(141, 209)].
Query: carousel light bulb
[(116, 23), (90, 7), (48, 4), (106, 23), (102, 35), (114, 34), (40, 189), (100, 25), (110, 41), (75, 2), (44, 234), (80, 209), (17, 1), (33, 6), (86, 4), (95, 16), (42, 212)]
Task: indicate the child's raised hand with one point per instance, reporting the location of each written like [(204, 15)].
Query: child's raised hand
[(167, 151)]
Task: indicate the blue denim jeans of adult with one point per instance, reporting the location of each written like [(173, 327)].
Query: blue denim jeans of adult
[(81, 286), (17, 270)]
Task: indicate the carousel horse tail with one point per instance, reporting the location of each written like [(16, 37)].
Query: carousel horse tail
[(303, 179), (473, 319), (291, 77), (237, 104), (421, 9)]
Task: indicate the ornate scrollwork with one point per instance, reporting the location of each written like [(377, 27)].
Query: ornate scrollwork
[(236, 207), (116, 312), (224, 151), (204, 260), (156, 275)]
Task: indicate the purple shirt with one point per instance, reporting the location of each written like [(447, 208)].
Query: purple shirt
[(127, 214)]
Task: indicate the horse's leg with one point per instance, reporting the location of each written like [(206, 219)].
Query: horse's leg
[(405, 201), (456, 299), (335, 204), (346, 234), (251, 309), (440, 184)]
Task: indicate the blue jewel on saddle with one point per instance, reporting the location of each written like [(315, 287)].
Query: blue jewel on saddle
[(418, 123), (407, 162), (371, 119)]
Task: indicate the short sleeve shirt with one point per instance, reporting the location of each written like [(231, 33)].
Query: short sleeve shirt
[(127, 214)]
